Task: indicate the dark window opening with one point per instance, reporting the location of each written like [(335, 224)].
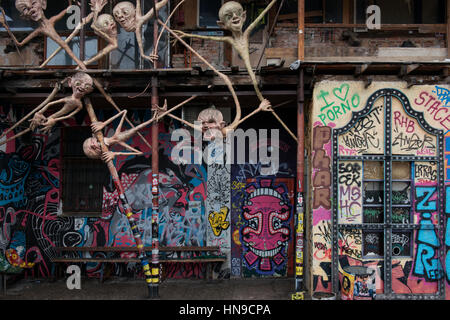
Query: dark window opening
[(208, 13), (82, 178)]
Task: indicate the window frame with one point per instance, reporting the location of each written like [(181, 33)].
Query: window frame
[(63, 174), (387, 227)]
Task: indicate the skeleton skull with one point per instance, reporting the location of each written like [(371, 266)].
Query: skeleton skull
[(212, 123), (125, 14), (91, 148), (31, 9), (106, 23), (81, 84), (232, 16)]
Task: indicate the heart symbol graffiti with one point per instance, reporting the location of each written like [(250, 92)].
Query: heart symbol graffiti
[(342, 92)]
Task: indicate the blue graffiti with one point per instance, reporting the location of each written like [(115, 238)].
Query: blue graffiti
[(447, 232), (426, 264), (443, 95), (13, 174)]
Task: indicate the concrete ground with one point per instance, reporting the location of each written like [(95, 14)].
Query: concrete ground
[(136, 289)]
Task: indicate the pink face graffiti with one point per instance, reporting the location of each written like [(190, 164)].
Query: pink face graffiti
[(266, 233)]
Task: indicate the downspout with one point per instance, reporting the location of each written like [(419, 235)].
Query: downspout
[(154, 292), (299, 234)]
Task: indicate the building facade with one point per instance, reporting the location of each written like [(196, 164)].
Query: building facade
[(362, 189)]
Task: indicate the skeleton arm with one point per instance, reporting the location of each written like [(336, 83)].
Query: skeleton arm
[(259, 18), (153, 57), (60, 15), (54, 117), (69, 38), (109, 156), (97, 126)]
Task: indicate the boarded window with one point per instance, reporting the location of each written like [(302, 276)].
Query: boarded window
[(82, 178)]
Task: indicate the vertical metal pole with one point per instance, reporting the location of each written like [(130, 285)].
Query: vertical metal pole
[(127, 210), (299, 236), (299, 247), (154, 293)]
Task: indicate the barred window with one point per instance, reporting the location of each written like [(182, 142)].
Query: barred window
[(82, 178)]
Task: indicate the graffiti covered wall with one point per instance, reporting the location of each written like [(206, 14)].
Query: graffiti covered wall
[(31, 219), (380, 154)]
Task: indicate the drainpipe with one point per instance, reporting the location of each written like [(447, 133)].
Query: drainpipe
[(154, 293), (299, 237)]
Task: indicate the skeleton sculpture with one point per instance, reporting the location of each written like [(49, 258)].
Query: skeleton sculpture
[(91, 146), (103, 25), (34, 10), (232, 18), (131, 19), (81, 84)]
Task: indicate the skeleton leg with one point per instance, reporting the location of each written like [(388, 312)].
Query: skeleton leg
[(46, 101)]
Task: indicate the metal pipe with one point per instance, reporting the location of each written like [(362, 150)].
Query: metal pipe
[(127, 210), (154, 293), (299, 249)]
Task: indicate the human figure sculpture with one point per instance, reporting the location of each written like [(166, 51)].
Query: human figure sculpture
[(92, 148), (213, 125), (81, 84), (34, 10), (103, 26), (130, 18), (232, 17)]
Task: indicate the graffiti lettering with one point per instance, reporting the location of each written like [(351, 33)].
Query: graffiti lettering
[(365, 135), (331, 111), (322, 177), (350, 173)]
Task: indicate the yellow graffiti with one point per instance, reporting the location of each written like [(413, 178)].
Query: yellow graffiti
[(218, 222)]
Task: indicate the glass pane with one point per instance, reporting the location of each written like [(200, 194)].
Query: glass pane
[(401, 193), (373, 244), (401, 170), (373, 215), (401, 244), (373, 170), (401, 215), (373, 193)]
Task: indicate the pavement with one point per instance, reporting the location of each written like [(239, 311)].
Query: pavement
[(136, 289)]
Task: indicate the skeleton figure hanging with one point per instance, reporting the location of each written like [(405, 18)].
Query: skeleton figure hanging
[(232, 17), (105, 27), (131, 19), (213, 125), (91, 146), (34, 10), (81, 84)]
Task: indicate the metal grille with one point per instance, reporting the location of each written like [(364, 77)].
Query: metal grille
[(388, 227)]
